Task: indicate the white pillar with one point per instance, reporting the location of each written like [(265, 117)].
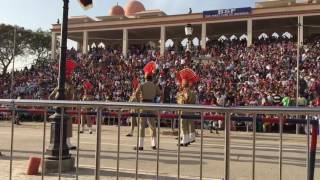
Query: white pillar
[(249, 32), (300, 30), (53, 45), (85, 42), (162, 40), (125, 42), (203, 35)]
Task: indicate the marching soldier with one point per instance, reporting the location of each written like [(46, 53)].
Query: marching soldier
[(85, 118), (69, 95), (146, 93), (187, 78)]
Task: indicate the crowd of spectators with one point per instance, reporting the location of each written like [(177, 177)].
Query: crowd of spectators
[(232, 74)]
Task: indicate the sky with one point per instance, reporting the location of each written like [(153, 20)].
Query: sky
[(35, 14)]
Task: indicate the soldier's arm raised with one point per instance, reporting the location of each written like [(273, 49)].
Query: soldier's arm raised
[(53, 93), (138, 93)]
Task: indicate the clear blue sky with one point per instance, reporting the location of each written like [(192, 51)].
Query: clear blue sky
[(34, 14)]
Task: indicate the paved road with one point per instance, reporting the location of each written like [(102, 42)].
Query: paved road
[(28, 142)]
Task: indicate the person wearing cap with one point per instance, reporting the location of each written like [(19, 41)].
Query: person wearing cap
[(187, 79), (146, 93), (85, 118), (301, 102), (18, 115), (286, 100), (69, 95), (187, 59), (276, 99)]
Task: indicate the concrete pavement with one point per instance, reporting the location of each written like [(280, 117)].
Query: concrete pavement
[(28, 142)]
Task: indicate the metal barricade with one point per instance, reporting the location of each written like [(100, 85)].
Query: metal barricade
[(104, 109)]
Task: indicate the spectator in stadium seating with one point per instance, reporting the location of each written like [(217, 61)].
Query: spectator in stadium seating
[(263, 74)]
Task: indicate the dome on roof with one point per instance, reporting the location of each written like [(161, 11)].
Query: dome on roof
[(116, 11), (134, 7)]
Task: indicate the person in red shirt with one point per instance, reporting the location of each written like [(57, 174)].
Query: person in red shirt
[(135, 83)]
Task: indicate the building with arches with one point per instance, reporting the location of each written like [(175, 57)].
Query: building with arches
[(134, 24)]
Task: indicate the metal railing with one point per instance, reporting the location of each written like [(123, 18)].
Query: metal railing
[(200, 114)]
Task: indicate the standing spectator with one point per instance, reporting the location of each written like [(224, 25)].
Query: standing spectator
[(86, 118)]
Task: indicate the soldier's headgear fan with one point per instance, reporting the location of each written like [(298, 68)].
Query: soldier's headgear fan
[(87, 85), (70, 66), (86, 4), (187, 74), (150, 68)]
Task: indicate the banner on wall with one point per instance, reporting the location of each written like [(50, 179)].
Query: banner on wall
[(227, 12)]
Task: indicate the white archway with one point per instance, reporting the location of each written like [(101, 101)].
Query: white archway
[(243, 37), (287, 35), (233, 37), (101, 45), (196, 41), (151, 44), (275, 35), (184, 42), (222, 38), (169, 43), (263, 36), (207, 39)]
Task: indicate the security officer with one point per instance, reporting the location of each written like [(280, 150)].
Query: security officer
[(69, 95), (85, 118), (186, 95), (146, 93)]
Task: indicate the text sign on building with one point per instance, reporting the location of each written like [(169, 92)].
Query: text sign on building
[(227, 12)]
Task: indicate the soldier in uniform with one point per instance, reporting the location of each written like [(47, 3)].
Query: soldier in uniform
[(186, 95), (87, 119), (146, 93), (69, 95)]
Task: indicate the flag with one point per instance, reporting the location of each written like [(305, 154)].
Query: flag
[(86, 4), (70, 66), (87, 85)]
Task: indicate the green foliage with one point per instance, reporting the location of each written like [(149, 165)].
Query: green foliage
[(27, 42), (40, 45)]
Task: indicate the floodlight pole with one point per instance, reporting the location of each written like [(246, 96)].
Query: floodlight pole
[(13, 61), (55, 141), (298, 68)]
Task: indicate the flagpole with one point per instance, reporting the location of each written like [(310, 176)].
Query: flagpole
[(58, 139), (58, 149), (298, 68)]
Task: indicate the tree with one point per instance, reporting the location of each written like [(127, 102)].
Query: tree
[(40, 45), (7, 53)]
